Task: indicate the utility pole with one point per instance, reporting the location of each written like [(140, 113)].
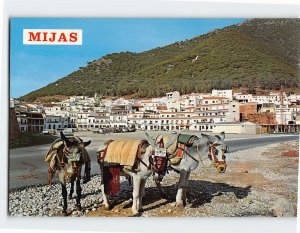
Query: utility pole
[(281, 106)]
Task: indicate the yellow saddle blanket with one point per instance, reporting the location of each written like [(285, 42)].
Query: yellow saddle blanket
[(122, 151)]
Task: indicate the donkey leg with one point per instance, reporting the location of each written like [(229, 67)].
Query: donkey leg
[(50, 175), (129, 180), (181, 184), (184, 194), (78, 192), (141, 194), (72, 188), (87, 172), (105, 198), (64, 194), (135, 194), (160, 190)]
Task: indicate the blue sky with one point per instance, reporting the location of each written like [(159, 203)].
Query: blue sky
[(34, 66)]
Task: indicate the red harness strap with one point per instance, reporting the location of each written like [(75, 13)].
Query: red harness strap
[(180, 150)]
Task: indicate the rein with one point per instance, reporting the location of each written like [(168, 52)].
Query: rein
[(220, 165), (65, 158), (188, 154), (142, 162), (201, 161), (210, 154)]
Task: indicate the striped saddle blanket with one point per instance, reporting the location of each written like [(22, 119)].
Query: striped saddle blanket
[(123, 151)]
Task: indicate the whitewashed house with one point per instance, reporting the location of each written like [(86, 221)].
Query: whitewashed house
[(149, 105), (233, 113), (283, 114), (55, 122), (223, 93), (191, 100), (118, 116), (22, 121), (294, 99), (236, 128), (82, 120), (52, 109), (214, 100), (99, 120), (243, 97), (151, 121), (135, 119), (173, 96)]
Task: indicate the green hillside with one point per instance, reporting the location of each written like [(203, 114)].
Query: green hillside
[(262, 52)]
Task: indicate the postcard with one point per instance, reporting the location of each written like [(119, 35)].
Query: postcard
[(153, 117)]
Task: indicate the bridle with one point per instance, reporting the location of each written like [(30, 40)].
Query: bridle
[(220, 165), (74, 160), (158, 164)]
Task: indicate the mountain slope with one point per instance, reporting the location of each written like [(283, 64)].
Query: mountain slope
[(261, 52)]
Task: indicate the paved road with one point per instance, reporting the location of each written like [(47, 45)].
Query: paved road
[(27, 166), (245, 143)]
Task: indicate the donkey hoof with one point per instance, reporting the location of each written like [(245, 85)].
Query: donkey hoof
[(135, 212), (180, 204), (107, 207), (65, 213)]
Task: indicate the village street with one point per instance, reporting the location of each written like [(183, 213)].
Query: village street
[(27, 166)]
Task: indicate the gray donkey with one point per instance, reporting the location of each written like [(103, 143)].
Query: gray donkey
[(199, 149)]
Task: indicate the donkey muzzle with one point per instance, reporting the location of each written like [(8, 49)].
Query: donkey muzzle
[(221, 166)]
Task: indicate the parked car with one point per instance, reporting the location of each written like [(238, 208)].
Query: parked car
[(96, 130), (116, 130), (131, 129), (68, 132), (124, 130), (74, 129), (45, 132), (49, 131)]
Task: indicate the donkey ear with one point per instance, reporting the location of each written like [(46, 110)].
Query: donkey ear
[(64, 138), (150, 140), (222, 135), (204, 135), (87, 143)]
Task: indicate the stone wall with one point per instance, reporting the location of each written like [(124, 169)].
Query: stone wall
[(14, 129)]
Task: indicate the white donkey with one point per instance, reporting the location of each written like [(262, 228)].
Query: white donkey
[(201, 147), (152, 160)]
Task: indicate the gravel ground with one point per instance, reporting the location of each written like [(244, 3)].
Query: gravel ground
[(258, 182)]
